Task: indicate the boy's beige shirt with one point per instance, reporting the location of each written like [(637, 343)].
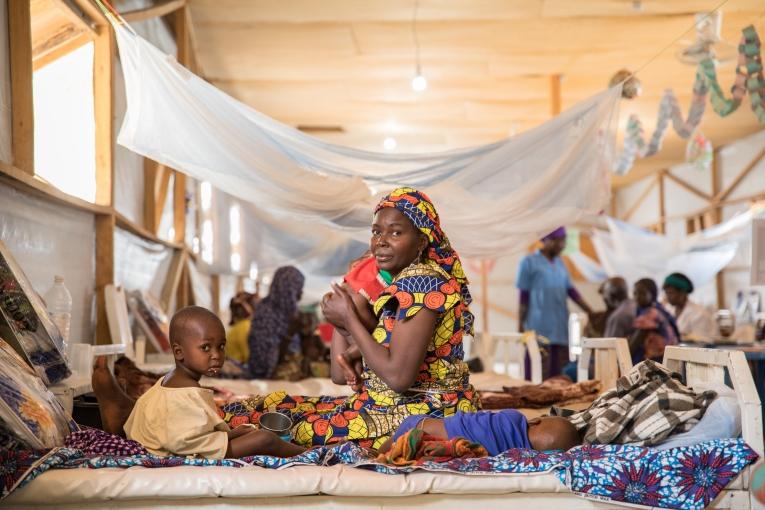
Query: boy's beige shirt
[(178, 421)]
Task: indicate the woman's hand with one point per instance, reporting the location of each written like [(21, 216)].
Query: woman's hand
[(338, 307)]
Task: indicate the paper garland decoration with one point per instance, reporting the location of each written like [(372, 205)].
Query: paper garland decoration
[(699, 151), (635, 146), (749, 78)]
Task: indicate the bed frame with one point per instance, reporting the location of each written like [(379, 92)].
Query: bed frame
[(348, 488), (514, 348)]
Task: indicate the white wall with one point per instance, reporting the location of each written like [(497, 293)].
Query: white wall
[(6, 153), (679, 202), (48, 239)]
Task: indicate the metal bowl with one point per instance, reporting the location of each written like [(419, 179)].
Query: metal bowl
[(277, 423)]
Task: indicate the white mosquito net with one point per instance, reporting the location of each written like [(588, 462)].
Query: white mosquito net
[(316, 198)]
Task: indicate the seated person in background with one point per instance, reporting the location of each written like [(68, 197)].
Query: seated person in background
[(239, 327), (693, 320), (496, 431), (616, 295), (655, 327), (178, 417), (273, 341), (315, 355), (596, 322)]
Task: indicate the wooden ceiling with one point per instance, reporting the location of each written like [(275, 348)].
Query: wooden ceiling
[(349, 63)]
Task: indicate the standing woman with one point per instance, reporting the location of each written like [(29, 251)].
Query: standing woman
[(544, 287), (412, 359), (273, 324)]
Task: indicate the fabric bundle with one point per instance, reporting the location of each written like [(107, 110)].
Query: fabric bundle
[(647, 405), (558, 390), (416, 447)]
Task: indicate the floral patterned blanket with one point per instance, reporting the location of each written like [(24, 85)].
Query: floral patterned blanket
[(684, 478)]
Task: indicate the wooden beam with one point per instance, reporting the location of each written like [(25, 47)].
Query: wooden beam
[(22, 104), (716, 212), (173, 280), (662, 205), (12, 176), (55, 39), (156, 180), (183, 295), (722, 195), (92, 11), (59, 51), (103, 107), (155, 11), (105, 225), (72, 11), (215, 293), (555, 94), (687, 186), (182, 37), (127, 224), (194, 65), (179, 207), (628, 214)]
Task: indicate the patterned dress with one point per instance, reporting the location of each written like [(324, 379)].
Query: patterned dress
[(441, 387), (372, 415)]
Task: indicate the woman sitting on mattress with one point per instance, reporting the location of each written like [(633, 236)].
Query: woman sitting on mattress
[(412, 359)]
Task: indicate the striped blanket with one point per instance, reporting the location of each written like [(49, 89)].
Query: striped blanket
[(647, 405)]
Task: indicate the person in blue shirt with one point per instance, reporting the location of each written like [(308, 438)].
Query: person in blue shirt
[(545, 286)]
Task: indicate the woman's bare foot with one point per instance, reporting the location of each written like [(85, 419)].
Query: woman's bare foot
[(114, 405)]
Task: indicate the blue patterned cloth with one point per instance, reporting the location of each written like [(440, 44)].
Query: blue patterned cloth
[(686, 478)]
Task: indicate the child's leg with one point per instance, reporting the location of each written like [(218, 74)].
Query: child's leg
[(261, 442), (350, 364)]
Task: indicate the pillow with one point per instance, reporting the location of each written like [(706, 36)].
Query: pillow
[(721, 421), (27, 409)]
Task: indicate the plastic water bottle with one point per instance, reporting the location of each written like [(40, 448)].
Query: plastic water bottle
[(59, 303)]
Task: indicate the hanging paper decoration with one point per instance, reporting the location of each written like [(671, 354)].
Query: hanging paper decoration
[(669, 108), (749, 78), (699, 151)]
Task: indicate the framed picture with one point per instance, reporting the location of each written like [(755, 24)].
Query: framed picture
[(26, 325)]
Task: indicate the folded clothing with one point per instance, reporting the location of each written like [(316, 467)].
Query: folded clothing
[(648, 404)]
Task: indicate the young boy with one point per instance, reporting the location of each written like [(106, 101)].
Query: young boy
[(178, 417), (496, 431)]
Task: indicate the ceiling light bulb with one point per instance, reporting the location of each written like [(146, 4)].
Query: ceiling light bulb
[(419, 83), (389, 143)]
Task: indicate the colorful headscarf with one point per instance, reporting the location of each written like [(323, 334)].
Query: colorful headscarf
[(419, 209), (271, 320)]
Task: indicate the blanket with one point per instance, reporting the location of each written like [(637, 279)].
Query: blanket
[(416, 447), (556, 390), (647, 405), (686, 478)]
